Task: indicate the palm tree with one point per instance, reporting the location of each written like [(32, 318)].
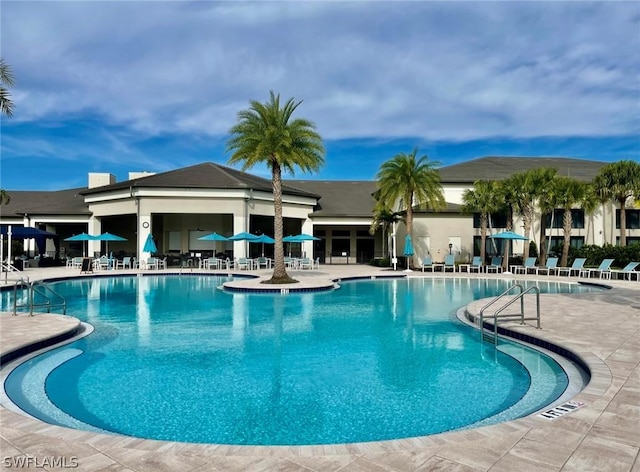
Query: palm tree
[(569, 192), (528, 187), (383, 217), (618, 182), (405, 179), (483, 199), (6, 107), (6, 80), (266, 133), (546, 204)]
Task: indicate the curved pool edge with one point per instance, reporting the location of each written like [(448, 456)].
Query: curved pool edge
[(501, 442)]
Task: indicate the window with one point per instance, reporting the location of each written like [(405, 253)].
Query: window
[(341, 233), (363, 234), (558, 241), (577, 217), (633, 219), (630, 240), (498, 220)]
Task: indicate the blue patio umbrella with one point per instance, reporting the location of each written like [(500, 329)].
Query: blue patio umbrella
[(408, 249), (508, 236), (244, 236), (263, 238), (150, 245), (108, 237), (298, 238), (213, 237), (81, 237)]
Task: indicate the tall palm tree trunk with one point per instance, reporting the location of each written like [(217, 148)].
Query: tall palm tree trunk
[(410, 228), (567, 222), (279, 269), (623, 222), (542, 260), (505, 250), (483, 236)]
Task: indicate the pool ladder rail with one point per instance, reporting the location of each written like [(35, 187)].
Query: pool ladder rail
[(35, 292), (498, 316)]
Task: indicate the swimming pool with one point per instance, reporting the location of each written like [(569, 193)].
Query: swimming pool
[(174, 358)]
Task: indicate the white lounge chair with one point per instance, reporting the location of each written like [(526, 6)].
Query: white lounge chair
[(496, 264), (449, 263), (627, 271), (529, 263), (576, 267), (603, 270), (552, 263)]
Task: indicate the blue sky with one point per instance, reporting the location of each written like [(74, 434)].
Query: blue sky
[(153, 86)]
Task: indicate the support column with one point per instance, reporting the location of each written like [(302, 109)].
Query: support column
[(144, 229), (240, 225), (94, 227), (307, 246)]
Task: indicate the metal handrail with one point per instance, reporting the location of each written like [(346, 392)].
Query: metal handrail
[(6, 268), (521, 316), (19, 283), (519, 296), (35, 289), (503, 294)]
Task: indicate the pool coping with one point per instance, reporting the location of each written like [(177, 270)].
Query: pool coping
[(496, 446)]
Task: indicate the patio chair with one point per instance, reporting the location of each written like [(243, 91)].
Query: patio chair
[(212, 263), (427, 263), (316, 264), (575, 267), (496, 264), (243, 263), (552, 263), (603, 270), (263, 262), (476, 264), (449, 263), (627, 271), (162, 263), (529, 263), (306, 263), (125, 263), (151, 263)]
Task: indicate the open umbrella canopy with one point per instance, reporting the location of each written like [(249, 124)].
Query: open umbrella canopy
[(408, 246), (263, 238), (298, 238), (509, 235), (109, 237), (81, 237), (213, 237), (244, 236), (150, 244), (27, 232)]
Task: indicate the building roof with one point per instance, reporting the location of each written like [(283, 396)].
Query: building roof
[(59, 202), (207, 175), (499, 168), (344, 198)]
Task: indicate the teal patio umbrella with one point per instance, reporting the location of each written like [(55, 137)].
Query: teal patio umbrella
[(263, 238), (213, 237), (408, 249), (150, 245), (298, 238), (81, 237), (244, 236), (108, 237), (508, 236)]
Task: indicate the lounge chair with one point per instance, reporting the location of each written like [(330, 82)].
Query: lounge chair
[(576, 267), (552, 263), (603, 270), (627, 271), (427, 263), (496, 264), (529, 264), (449, 263)]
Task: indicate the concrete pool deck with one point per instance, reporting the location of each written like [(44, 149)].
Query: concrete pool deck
[(603, 328)]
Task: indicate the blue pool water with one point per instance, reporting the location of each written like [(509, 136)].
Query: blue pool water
[(174, 358)]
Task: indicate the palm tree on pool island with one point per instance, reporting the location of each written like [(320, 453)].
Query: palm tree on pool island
[(406, 180), (266, 133)]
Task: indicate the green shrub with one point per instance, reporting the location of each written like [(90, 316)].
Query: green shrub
[(380, 262), (596, 254)]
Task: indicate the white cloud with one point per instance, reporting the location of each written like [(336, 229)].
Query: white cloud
[(384, 69)]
